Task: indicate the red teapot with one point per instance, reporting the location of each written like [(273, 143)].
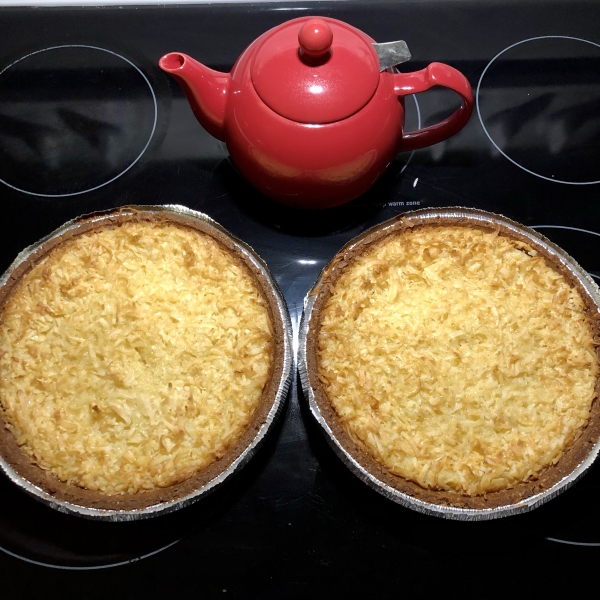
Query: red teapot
[(313, 110)]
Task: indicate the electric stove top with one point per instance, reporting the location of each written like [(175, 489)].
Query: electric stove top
[(89, 122)]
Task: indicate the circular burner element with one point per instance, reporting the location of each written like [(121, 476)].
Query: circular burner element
[(73, 118), (582, 244), (570, 519), (40, 535), (538, 102), (411, 125)]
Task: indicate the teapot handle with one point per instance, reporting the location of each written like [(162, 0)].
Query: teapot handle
[(420, 81)]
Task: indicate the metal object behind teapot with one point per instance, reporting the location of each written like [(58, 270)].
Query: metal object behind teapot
[(391, 54)]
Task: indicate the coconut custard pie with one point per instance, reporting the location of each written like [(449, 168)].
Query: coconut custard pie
[(135, 359), (455, 362)]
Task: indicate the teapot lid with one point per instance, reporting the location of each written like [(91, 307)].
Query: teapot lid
[(315, 70)]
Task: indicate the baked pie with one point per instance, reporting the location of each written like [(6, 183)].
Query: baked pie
[(455, 360), (139, 355)]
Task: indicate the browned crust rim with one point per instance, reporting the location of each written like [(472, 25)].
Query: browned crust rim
[(63, 492), (570, 460)]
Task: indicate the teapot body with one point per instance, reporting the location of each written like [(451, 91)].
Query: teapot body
[(310, 165)]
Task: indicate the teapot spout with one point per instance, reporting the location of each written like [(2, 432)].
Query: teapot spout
[(205, 89)]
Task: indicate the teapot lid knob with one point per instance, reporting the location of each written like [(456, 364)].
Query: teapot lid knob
[(315, 38)]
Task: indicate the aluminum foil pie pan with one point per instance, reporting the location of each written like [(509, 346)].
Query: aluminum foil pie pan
[(221, 470), (580, 456)]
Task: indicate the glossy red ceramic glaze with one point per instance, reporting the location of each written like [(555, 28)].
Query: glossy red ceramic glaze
[(301, 151), (315, 38)]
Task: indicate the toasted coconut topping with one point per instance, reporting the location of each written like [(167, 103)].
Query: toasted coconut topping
[(458, 358), (133, 356)]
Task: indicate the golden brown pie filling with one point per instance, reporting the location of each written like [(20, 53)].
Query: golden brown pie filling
[(133, 356), (457, 358)]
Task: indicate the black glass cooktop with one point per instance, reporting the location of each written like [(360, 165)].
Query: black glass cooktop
[(89, 122)]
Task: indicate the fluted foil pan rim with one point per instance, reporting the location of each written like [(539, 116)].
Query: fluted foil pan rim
[(104, 514), (434, 215)]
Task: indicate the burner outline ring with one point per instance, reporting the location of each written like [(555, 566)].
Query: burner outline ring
[(92, 567), (138, 156), (536, 227), (514, 162), (414, 97)]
